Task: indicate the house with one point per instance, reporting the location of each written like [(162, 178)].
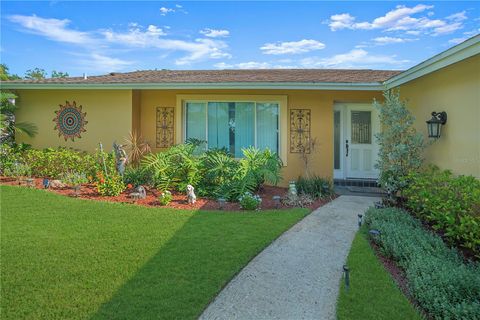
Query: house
[(279, 109)]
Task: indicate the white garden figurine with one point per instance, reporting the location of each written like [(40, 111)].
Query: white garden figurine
[(191, 197)]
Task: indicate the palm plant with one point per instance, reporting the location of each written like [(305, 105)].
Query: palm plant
[(137, 147), (9, 127)]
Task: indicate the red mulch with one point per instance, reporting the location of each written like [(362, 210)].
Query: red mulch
[(89, 191)]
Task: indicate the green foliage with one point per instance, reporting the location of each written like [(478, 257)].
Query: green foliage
[(35, 74), (18, 170), (450, 204), (59, 74), (165, 198), (174, 168), (314, 186), (74, 178), (214, 173), (53, 163), (137, 176), (400, 145), (248, 201), (10, 155), (444, 285), (9, 127), (5, 74), (110, 185)]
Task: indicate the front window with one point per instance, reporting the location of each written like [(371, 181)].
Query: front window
[(233, 125)]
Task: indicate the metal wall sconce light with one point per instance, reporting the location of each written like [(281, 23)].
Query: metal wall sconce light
[(435, 124)]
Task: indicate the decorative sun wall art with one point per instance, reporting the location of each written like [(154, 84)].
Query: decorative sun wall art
[(299, 130), (70, 121), (165, 127)]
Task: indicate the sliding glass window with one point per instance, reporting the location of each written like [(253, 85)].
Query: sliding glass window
[(233, 125)]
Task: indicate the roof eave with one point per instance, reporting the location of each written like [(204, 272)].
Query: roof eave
[(464, 50), (366, 86)]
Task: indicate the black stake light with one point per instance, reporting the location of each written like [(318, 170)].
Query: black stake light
[(360, 218), (346, 271)]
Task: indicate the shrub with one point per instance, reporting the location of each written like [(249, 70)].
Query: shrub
[(53, 163), (165, 198), (10, 155), (138, 176), (248, 201), (315, 187), (18, 170), (74, 178), (450, 204), (111, 185), (400, 145), (214, 173), (442, 283)]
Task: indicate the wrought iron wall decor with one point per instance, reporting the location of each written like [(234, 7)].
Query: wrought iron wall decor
[(299, 130), (165, 127), (70, 121)]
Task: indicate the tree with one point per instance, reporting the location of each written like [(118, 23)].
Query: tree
[(35, 74), (7, 118), (5, 74), (400, 145), (59, 74)]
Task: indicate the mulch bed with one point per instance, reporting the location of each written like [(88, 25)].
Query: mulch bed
[(89, 191)]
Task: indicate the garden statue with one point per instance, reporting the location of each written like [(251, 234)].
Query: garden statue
[(121, 158), (140, 193), (292, 188), (191, 197)]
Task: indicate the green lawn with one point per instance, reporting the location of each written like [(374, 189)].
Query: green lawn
[(373, 294), (70, 258)]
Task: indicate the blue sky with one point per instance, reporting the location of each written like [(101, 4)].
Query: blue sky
[(100, 37)]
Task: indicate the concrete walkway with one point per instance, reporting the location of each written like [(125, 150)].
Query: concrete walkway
[(297, 276)]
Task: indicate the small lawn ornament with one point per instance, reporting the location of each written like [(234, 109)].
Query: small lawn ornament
[(292, 189), (121, 158), (191, 197), (140, 193)]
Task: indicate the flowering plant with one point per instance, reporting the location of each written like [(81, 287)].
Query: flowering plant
[(109, 185), (249, 201), (165, 198)]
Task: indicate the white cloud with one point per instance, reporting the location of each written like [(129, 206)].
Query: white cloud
[(466, 35), (459, 16), (356, 58), (401, 19), (243, 65), (197, 50), (293, 47), (215, 33), (390, 40), (53, 29), (164, 11), (100, 63), (135, 35)]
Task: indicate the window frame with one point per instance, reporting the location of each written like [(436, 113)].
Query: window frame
[(280, 100)]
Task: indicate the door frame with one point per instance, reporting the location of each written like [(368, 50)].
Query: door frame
[(343, 108)]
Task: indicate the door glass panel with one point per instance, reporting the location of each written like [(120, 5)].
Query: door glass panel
[(361, 127), (336, 140)]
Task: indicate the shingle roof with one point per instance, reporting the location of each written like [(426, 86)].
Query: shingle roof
[(229, 76)]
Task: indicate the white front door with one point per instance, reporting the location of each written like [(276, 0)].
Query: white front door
[(355, 147)]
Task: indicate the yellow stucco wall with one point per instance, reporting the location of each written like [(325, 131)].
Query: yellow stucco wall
[(320, 102), (455, 90), (109, 116)]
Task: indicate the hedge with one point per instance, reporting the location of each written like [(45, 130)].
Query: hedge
[(443, 284), (449, 203)]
